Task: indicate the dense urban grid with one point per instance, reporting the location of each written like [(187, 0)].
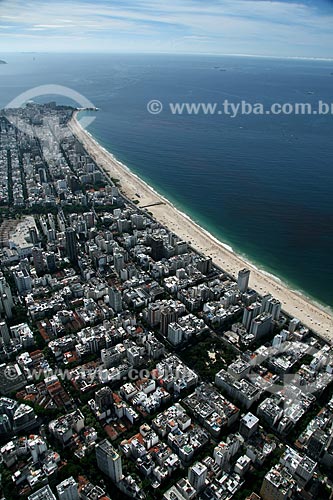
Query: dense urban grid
[(130, 365)]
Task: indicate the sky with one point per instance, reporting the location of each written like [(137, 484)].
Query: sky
[(281, 28)]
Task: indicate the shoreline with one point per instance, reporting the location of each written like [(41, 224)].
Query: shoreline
[(246, 260), (293, 302)]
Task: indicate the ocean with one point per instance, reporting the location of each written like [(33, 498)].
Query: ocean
[(261, 184)]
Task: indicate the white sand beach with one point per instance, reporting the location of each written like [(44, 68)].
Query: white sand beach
[(293, 302)]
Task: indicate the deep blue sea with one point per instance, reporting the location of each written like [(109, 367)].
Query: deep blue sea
[(262, 184)]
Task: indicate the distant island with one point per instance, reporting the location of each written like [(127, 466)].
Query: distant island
[(2, 62)]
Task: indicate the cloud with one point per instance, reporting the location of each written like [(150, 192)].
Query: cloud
[(188, 25)]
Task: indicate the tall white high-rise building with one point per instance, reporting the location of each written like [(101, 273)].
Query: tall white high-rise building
[(119, 261), (197, 475), (115, 299), (277, 341), (261, 325), (271, 306), (23, 280), (243, 280), (109, 460), (175, 333), (67, 490), (250, 313), (293, 325)]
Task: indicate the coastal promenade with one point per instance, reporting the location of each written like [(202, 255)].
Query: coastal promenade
[(131, 185)]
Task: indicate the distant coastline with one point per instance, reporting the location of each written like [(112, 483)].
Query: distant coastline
[(295, 303)]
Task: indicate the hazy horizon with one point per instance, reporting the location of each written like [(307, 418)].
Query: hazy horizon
[(279, 28)]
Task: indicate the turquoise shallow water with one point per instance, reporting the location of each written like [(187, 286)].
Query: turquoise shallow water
[(263, 185)]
